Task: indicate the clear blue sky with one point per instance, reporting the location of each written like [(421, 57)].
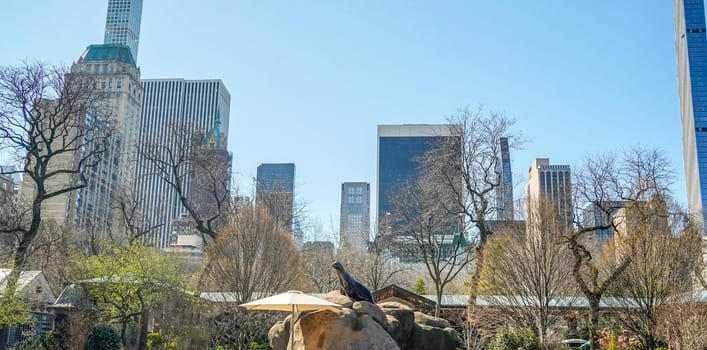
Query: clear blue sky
[(310, 80)]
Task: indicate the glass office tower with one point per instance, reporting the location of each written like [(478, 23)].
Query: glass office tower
[(275, 191), (690, 46), (275, 177), (399, 148)]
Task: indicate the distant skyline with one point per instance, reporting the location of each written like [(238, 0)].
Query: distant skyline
[(311, 81)]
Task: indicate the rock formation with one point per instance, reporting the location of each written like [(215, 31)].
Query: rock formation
[(361, 325)]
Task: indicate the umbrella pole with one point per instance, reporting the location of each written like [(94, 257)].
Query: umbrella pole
[(292, 329)]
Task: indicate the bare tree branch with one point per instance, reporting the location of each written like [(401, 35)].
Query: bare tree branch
[(57, 125), (611, 184)]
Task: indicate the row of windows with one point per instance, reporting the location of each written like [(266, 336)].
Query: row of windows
[(354, 199), (355, 190), (103, 68)]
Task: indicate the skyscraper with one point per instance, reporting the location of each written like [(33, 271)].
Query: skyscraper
[(90, 208), (399, 149), (275, 191), (116, 73), (504, 192), (171, 106), (552, 183), (691, 51), (123, 24), (355, 217), (116, 76)]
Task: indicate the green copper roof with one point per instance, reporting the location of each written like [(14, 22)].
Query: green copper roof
[(215, 132), (105, 52)]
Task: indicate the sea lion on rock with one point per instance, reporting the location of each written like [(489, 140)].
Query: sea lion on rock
[(350, 287)]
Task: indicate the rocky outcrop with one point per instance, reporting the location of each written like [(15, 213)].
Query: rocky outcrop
[(363, 326)]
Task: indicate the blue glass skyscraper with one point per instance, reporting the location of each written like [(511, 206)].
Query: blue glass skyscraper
[(399, 148), (123, 24), (691, 51), (276, 177), (275, 191)]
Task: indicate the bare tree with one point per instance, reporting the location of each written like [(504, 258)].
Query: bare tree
[(136, 226), (473, 179), (528, 271), (318, 257), (288, 210), (201, 179), (57, 125), (664, 253), (253, 255), (53, 243), (682, 323), (428, 228), (377, 267), (238, 328), (610, 183), (701, 262)]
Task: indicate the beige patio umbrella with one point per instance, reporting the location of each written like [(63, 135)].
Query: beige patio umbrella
[(293, 301)]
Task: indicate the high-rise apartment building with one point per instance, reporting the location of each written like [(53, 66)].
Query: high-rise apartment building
[(116, 73), (275, 191), (551, 183), (691, 50), (355, 215), (123, 24), (173, 109), (504, 192), (90, 208), (399, 150)]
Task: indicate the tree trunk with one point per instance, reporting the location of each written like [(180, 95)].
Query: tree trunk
[(474, 289), (123, 327), (438, 306), (3, 337), (593, 322), (544, 326), (142, 338)]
